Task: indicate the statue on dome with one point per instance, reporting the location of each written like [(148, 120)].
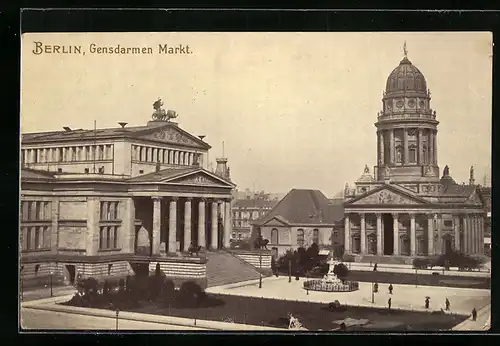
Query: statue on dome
[(346, 189), (367, 170), (161, 114), (446, 171), (471, 175)]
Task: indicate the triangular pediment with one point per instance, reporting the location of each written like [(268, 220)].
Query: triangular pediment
[(276, 221), (173, 135), (474, 199), (387, 195), (199, 178)]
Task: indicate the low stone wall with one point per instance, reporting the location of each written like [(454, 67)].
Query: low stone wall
[(253, 258)]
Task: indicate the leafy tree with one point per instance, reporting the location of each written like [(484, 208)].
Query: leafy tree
[(341, 271)]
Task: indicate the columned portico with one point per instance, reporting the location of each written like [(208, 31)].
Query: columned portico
[(155, 236), (363, 233), (187, 224), (214, 235), (395, 229), (201, 223), (379, 235), (413, 236)]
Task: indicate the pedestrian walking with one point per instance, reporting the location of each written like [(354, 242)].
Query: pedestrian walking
[(389, 303), (427, 300), (447, 303), (474, 314), (390, 289), (375, 267)]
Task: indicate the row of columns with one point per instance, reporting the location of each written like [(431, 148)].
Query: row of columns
[(472, 230), (172, 235), (67, 154), (158, 155), (423, 155)]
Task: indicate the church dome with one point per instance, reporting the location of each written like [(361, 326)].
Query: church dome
[(406, 77)]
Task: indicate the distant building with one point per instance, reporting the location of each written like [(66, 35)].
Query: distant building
[(116, 200), (486, 193), (247, 210), (301, 218), (406, 209)]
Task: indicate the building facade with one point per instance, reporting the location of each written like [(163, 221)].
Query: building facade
[(301, 218), (245, 211), (406, 208), (115, 201)]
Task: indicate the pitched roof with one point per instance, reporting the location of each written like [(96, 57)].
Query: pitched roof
[(35, 174), (163, 174), (171, 173), (114, 132), (302, 207), (254, 203)]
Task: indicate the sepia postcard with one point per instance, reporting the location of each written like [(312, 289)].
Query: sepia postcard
[(205, 181)]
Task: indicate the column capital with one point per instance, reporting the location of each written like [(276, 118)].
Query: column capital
[(189, 199), (378, 215), (362, 214), (174, 199), (412, 215), (395, 215), (203, 200), (156, 198)]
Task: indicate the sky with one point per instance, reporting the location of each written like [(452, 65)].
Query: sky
[(294, 110)]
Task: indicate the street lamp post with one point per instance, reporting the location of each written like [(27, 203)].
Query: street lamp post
[(373, 293), (416, 277), (289, 270), (117, 312), (51, 274), (260, 271)]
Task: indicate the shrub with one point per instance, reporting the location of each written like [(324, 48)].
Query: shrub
[(341, 271), (168, 291), (191, 294)]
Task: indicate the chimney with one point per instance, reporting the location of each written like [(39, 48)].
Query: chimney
[(222, 169), (122, 124), (201, 136)]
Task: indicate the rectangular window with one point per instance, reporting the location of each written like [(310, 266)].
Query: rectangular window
[(115, 237), (448, 223), (102, 238), (300, 238), (28, 238), (412, 155), (37, 238)]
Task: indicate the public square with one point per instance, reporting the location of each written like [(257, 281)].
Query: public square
[(406, 297)]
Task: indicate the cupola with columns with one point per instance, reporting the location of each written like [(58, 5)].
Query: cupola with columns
[(406, 128)]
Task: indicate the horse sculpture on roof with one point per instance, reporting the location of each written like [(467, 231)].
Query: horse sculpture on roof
[(161, 114)]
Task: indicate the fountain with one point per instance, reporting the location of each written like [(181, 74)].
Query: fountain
[(330, 282)]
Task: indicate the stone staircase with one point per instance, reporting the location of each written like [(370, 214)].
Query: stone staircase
[(223, 268)]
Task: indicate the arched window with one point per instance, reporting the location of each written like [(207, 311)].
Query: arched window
[(300, 237), (274, 236), (315, 237)]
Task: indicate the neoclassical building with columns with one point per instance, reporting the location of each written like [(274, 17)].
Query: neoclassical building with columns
[(118, 200), (406, 208)]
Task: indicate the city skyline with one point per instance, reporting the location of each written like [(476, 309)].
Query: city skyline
[(277, 100)]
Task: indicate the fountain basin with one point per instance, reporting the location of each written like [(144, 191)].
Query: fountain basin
[(333, 286)]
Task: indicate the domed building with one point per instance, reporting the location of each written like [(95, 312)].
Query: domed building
[(406, 209)]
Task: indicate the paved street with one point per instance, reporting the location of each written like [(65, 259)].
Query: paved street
[(403, 268), (462, 300), (41, 293), (39, 319)]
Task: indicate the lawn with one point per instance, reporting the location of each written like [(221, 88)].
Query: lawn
[(426, 280), (314, 316)]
